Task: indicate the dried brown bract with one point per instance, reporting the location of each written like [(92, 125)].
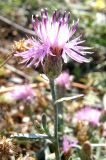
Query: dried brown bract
[(82, 132), (26, 158), (20, 46), (7, 148)]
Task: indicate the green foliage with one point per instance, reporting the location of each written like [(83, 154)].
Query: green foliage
[(8, 6)]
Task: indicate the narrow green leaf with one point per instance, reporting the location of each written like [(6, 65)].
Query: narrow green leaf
[(29, 136), (68, 98)]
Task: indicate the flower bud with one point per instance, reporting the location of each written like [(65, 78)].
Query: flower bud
[(86, 152), (52, 66)]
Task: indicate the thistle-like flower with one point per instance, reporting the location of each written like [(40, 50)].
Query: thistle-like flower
[(67, 143), (53, 42), (64, 80), (88, 114), (22, 92)]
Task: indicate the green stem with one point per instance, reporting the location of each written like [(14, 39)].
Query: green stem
[(57, 151), (60, 93)]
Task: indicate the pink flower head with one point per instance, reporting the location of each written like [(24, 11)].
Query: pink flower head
[(88, 114), (63, 80), (22, 92), (53, 38), (67, 143)]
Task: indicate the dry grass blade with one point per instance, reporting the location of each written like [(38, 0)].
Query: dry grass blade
[(7, 59)]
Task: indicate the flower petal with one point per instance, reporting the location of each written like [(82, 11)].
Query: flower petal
[(76, 56)]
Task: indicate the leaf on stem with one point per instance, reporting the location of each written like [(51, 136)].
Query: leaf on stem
[(68, 98), (29, 136)]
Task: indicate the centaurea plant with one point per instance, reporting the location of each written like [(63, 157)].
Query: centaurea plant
[(52, 43)]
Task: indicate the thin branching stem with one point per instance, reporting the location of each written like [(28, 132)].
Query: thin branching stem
[(53, 92)]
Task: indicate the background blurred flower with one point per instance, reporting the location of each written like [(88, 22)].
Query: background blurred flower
[(54, 39), (67, 143), (64, 80), (88, 114), (22, 92)]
